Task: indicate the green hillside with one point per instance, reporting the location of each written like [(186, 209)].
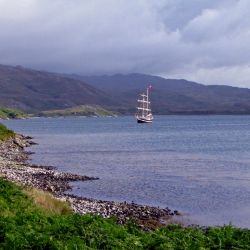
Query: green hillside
[(83, 110), (8, 113), (32, 90)]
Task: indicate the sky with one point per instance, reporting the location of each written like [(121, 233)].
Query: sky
[(206, 41)]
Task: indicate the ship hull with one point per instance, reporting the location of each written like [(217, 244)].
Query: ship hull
[(141, 120)]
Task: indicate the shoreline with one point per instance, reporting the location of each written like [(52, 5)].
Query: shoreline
[(14, 167)]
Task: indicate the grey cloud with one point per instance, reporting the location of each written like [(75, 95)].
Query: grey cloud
[(194, 39)]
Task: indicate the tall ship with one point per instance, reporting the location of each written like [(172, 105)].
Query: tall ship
[(144, 113)]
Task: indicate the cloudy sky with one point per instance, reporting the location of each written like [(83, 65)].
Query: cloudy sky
[(202, 40)]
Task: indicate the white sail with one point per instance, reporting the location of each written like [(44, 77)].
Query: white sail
[(143, 101), (144, 109)]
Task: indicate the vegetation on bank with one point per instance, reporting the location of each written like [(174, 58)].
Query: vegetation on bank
[(27, 223), (5, 133), (83, 110), (9, 113)]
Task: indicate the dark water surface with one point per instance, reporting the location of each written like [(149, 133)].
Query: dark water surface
[(199, 165)]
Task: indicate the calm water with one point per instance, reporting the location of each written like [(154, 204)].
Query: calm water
[(199, 165)]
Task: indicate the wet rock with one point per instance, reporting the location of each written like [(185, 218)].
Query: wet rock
[(176, 212), (14, 167)]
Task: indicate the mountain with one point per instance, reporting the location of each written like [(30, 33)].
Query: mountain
[(33, 90), (171, 96)]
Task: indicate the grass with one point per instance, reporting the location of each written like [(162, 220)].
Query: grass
[(46, 201), (26, 223), (5, 133), (83, 110), (8, 113)]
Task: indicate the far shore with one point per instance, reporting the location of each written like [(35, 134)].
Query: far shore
[(32, 116)]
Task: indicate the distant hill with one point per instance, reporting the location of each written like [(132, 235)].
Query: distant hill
[(35, 91), (32, 90), (171, 96)]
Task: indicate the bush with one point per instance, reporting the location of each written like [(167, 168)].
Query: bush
[(5, 133), (25, 225), (6, 113)]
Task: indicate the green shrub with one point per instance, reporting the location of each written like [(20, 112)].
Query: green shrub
[(5, 133), (24, 225), (11, 113)]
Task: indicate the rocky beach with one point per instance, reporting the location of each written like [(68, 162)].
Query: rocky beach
[(14, 166)]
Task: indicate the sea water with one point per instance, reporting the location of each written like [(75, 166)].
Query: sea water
[(199, 165)]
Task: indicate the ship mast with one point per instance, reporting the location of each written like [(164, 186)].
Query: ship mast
[(144, 111), (147, 101), (143, 105)]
